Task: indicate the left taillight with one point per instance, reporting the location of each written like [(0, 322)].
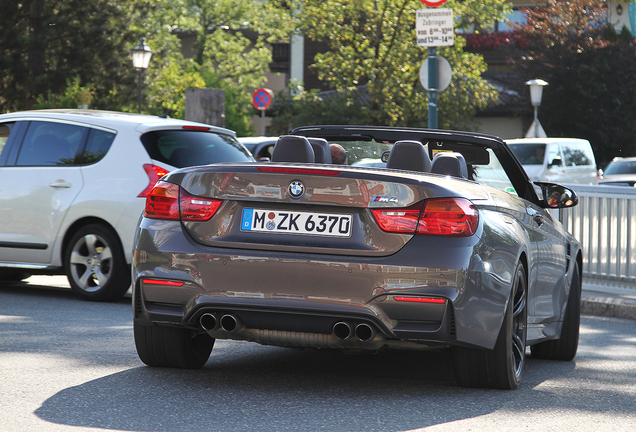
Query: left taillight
[(154, 173), (454, 217), (168, 201)]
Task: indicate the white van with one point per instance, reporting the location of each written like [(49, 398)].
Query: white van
[(558, 160)]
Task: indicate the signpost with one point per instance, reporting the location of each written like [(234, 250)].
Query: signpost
[(434, 27), (262, 99)]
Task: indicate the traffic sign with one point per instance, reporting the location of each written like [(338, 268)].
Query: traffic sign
[(433, 3), (435, 27), (444, 74), (262, 99)]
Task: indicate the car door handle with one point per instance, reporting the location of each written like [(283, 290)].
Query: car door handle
[(538, 219), (60, 184)]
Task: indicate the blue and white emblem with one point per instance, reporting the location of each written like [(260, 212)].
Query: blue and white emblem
[(296, 189)]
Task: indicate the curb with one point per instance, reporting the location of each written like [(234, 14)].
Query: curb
[(608, 301), (608, 307)]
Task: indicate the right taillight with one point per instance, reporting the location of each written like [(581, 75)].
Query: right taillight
[(170, 202), (455, 217)]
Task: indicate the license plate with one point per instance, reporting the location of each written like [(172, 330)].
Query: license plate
[(295, 222)]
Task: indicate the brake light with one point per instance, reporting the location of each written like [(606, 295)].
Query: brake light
[(447, 216), (163, 202), (421, 299), (161, 282), (201, 128), (168, 201), (403, 221), (308, 171), (154, 174), (194, 208)]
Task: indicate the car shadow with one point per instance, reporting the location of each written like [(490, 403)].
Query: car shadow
[(270, 388)]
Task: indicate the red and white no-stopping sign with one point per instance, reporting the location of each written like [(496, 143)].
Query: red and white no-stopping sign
[(262, 99), (433, 3)]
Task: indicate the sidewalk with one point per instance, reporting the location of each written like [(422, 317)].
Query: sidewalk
[(609, 301)]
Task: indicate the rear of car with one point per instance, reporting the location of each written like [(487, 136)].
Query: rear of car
[(560, 160), (298, 254), (78, 184), (620, 172)]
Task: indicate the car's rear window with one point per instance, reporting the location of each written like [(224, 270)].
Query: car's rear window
[(182, 148), (621, 167)]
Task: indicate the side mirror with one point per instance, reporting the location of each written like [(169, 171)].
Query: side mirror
[(557, 196), (556, 162), (385, 156)]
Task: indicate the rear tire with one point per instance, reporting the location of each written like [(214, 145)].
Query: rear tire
[(566, 346), (501, 367), (95, 264), (173, 347)]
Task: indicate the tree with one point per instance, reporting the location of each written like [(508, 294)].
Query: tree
[(43, 43), (231, 51), (590, 71), (372, 43)]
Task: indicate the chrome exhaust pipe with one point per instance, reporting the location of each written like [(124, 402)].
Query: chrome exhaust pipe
[(230, 323), (364, 332), (342, 330), (208, 322)]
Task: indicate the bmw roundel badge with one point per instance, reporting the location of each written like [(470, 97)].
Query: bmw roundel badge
[(296, 189)]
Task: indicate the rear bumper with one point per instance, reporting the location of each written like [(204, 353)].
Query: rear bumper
[(297, 299)]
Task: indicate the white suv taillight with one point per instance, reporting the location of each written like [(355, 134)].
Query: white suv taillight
[(154, 173), (168, 201)]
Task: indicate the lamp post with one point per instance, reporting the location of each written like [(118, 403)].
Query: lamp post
[(141, 54), (536, 91)]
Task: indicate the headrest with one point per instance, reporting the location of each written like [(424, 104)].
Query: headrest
[(409, 155), (292, 148), (450, 163), (322, 153)]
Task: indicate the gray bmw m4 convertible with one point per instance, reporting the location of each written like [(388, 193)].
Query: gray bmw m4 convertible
[(418, 239)]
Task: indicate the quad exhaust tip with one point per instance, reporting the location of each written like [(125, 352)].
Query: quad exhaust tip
[(364, 332), (231, 323), (208, 322), (343, 330)]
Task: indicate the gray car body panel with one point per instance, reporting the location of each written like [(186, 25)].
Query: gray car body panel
[(290, 289)]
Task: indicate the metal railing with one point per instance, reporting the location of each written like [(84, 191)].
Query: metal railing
[(605, 224)]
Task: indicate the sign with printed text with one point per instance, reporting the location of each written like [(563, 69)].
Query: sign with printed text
[(435, 27)]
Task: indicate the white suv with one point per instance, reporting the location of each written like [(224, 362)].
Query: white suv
[(73, 186)]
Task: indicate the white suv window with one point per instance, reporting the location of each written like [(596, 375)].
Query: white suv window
[(48, 143)]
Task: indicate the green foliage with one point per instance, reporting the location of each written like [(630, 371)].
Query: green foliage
[(590, 71), (46, 41), (296, 106), (372, 43), (68, 99)]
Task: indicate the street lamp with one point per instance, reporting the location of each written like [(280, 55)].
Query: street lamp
[(141, 54), (536, 91)]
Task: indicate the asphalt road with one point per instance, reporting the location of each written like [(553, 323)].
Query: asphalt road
[(70, 365)]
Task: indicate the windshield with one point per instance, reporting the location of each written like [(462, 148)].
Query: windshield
[(364, 152), (529, 154), (183, 148)]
